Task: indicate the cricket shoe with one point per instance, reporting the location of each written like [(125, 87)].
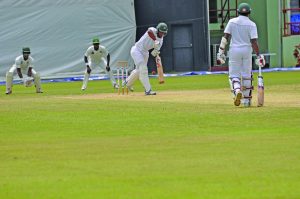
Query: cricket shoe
[(150, 92), (130, 88), (8, 92), (237, 99), (246, 103), (116, 86)]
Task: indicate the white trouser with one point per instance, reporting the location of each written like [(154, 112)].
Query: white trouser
[(10, 73), (141, 72), (240, 68), (240, 62), (102, 65)]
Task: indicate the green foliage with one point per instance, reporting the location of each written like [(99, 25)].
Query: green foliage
[(189, 141)]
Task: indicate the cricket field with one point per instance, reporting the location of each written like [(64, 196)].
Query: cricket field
[(188, 142)]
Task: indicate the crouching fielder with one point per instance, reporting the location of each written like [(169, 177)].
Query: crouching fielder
[(243, 34), (23, 65), (152, 39), (95, 56)]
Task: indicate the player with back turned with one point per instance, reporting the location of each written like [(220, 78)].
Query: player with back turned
[(243, 34)]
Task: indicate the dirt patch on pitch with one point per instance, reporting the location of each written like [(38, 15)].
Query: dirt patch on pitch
[(175, 96), (216, 96)]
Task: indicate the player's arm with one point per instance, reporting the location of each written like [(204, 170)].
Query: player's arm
[(156, 46), (29, 72), (260, 59), (224, 42), (108, 60), (88, 69), (221, 58), (255, 46), (151, 34), (86, 60), (19, 73)]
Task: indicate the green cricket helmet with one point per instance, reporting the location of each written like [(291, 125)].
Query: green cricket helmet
[(26, 50), (96, 40), (162, 27), (244, 8)]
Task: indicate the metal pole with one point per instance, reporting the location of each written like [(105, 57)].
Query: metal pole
[(280, 60), (284, 19), (208, 37), (228, 10), (236, 6), (222, 26)]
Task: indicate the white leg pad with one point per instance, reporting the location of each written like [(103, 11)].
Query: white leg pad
[(247, 88), (37, 82), (144, 78), (9, 81), (235, 84), (85, 80), (134, 75)]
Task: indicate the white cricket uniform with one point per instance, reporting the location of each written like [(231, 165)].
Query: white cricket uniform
[(140, 55), (24, 65), (242, 30), (97, 58)]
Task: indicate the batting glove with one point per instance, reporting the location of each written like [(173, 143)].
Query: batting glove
[(155, 52), (260, 61), (107, 68), (221, 58)]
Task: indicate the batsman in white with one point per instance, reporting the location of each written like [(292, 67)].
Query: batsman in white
[(24, 65), (243, 34), (95, 56), (152, 39)]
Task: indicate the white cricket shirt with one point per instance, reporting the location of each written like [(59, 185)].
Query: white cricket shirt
[(95, 56), (21, 63), (146, 43), (242, 30)]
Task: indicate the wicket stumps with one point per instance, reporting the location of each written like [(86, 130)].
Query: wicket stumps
[(122, 74)]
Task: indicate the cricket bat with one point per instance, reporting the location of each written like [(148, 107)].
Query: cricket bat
[(160, 70), (260, 88)]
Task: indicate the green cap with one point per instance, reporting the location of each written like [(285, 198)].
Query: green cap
[(96, 40), (162, 27), (244, 8), (26, 50)]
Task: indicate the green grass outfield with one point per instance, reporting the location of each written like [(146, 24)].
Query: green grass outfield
[(188, 142)]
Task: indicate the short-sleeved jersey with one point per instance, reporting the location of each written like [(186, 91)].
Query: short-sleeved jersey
[(242, 30), (146, 43), (24, 65), (96, 55)]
